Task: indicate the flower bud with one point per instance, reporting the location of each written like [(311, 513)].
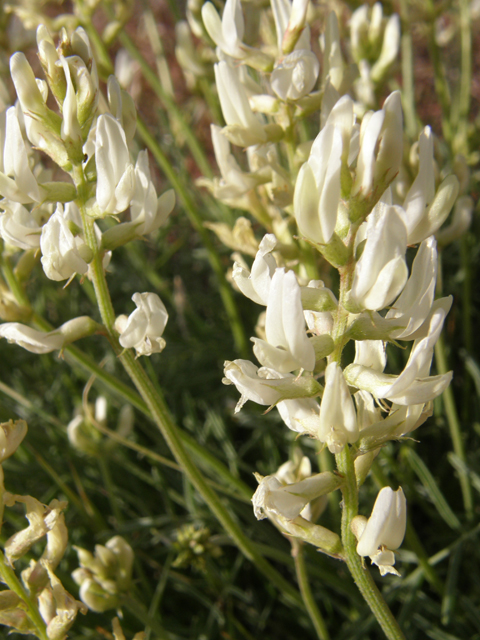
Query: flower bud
[(337, 422), (28, 93), (70, 130), (105, 576), (296, 25), (381, 271), (186, 54), (48, 56), (333, 65), (22, 186), (115, 172), (390, 49), (58, 607), (381, 149)]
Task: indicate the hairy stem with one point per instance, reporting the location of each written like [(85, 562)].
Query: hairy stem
[(360, 574)]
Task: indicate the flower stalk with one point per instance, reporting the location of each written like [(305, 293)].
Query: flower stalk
[(360, 573)]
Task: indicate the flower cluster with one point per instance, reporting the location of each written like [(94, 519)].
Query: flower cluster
[(59, 211), (346, 194)]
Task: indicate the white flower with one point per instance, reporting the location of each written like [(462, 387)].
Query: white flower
[(29, 95), (287, 346), (413, 385), (227, 33), (381, 272), (381, 148), (384, 531), (31, 339), (272, 498), (63, 254), (20, 227), (234, 182), (317, 189), (256, 284), (424, 210), (115, 172), (266, 386), (337, 423), (41, 342), (251, 382), (70, 129), (143, 328), (146, 210), (411, 309), (292, 32), (236, 109), (295, 76), (17, 181)]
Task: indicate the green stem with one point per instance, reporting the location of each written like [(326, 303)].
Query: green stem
[(360, 574), (306, 591), (455, 428), (160, 413), (13, 583)]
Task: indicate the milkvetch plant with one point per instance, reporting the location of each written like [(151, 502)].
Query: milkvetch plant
[(345, 201)]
